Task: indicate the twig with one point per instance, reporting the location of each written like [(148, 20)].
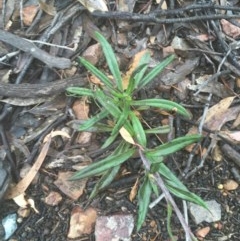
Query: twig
[(32, 49)]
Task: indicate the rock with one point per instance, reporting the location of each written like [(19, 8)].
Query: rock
[(200, 214), (114, 228)]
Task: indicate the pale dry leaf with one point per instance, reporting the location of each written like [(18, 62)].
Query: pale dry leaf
[(164, 5), (29, 13), (126, 136), (22, 202), (81, 222), (56, 133), (230, 185), (203, 232), (21, 187), (230, 29), (93, 5)]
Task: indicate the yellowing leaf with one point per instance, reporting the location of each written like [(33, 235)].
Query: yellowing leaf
[(93, 5), (126, 136)]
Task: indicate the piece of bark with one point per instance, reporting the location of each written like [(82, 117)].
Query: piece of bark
[(40, 90)]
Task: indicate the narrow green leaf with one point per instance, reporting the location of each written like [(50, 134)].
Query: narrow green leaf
[(89, 123), (111, 60), (174, 145), (163, 104), (97, 73), (141, 69), (103, 165), (109, 141), (107, 103), (80, 91), (169, 215), (121, 120), (158, 130), (97, 127), (139, 133), (174, 185), (155, 71), (144, 195), (104, 181)]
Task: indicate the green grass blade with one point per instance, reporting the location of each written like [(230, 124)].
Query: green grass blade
[(144, 195), (107, 103), (174, 185), (103, 165), (155, 71), (77, 91), (121, 120), (111, 60), (89, 123), (163, 104), (109, 141), (139, 133), (174, 145), (158, 130), (104, 181), (97, 72)]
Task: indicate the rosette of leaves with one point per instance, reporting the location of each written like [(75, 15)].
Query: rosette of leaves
[(117, 104)]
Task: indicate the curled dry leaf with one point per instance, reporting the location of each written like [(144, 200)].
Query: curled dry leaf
[(22, 202), (230, 185), (134, 191), (230, 29), (93, 5), (21, 187)]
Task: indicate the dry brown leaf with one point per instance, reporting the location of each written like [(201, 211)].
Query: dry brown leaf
[(126, 136), (93, 5), (53, 199), (230, 185), (134, 191), (81, 109), (29, 14), (73, 189), (236, 122), (202, 233), (230, 29), (81, 222), (132, 67), (21, 187)]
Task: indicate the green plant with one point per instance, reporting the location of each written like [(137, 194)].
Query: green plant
[(116, 103)]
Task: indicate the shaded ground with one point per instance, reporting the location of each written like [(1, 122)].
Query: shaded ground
[(203, 49)]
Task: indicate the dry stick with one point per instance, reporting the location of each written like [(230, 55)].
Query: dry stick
[(168, 197), (36, 52), (40, 90)]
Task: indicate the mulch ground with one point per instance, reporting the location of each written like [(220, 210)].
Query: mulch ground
[(203, 78)]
